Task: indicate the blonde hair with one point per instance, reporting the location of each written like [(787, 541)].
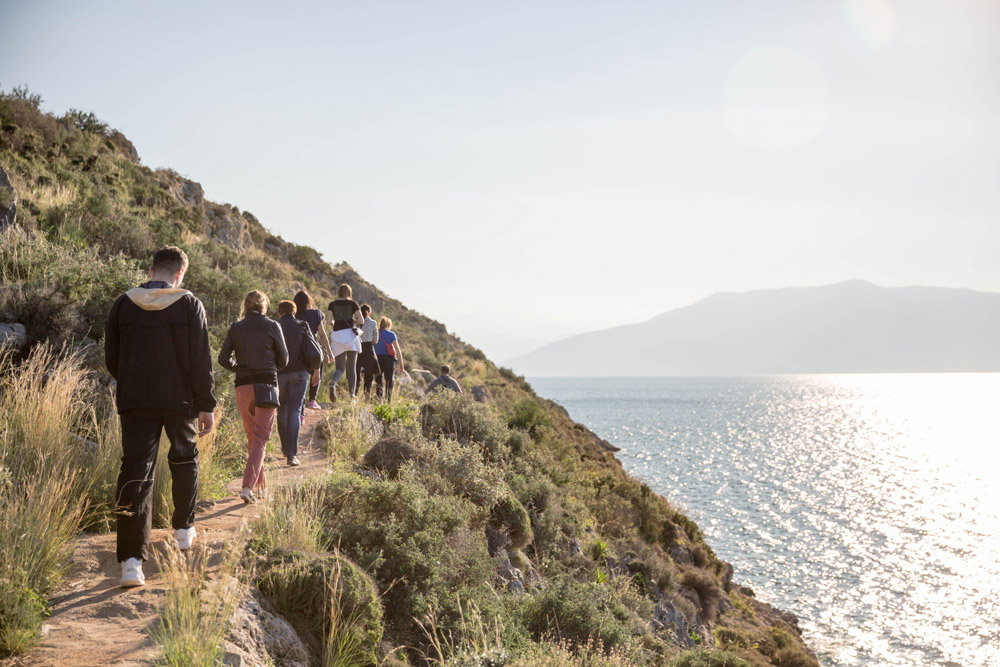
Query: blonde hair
[(344, 291), (255, 301), (286, 307), (385, 323)]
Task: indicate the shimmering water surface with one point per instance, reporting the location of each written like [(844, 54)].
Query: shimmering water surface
[(868, 505)]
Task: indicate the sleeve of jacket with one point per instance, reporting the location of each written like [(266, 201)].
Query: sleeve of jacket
[(112, 340), (202, 377), (280, 348), (226, 353)]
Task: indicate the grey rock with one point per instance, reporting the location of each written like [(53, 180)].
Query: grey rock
[(681, 555), (515, 586), (8, 201), (258, 636), (426, 376), (574, 547), (482, 394), (673, 622), (13, 335), (226, 225)]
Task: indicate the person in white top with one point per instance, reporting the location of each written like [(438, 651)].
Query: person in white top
[(368, 368)]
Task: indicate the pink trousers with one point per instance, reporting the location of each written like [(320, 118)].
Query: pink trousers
[(257, 422)]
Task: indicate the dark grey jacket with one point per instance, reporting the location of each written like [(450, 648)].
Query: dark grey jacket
[(254, 349)]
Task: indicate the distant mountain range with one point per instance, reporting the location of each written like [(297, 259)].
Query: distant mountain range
[(850, 327)]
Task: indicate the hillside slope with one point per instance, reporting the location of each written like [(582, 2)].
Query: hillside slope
[(506, 503), (851, 327)]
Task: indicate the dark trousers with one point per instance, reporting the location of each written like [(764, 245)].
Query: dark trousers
[(292, 390), (140, 444), (387, 364), (368, 367)]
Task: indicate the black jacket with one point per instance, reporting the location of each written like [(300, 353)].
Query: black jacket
[(254, 349), (295, 337), (156, 347)]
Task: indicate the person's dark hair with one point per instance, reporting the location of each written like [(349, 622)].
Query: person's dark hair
[(286, 307), (170, 259), (366, 309), (303, 301), (446, 370)]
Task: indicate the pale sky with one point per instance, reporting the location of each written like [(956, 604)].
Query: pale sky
[(523, 171)]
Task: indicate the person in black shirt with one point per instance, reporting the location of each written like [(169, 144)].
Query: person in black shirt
[(156, 347), (343, 315)]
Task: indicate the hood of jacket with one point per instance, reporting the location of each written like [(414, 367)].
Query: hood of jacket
[(156, 298)]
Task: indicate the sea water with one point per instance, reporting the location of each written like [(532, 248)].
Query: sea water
[(868, 505)]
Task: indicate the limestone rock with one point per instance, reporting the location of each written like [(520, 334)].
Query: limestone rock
[(8, 201), (226, 225), (673, 621), (681, 555), (13, 335), (259, 637), (482, 394)]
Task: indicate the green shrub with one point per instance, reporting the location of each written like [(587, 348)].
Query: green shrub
[(448, 468), (581, 613), (449, 414), (529, 416), (423, 550), (510, 525), (327, 597), (708, 591), (388, 455)]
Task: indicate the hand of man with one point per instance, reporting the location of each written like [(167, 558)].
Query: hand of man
[(206, 422)]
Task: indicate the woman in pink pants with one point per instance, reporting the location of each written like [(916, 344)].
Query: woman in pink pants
[(255, 350)]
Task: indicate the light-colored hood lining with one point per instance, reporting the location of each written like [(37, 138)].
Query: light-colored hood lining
[(156, 299)]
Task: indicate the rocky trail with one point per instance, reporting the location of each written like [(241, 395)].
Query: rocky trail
[(95, 622)]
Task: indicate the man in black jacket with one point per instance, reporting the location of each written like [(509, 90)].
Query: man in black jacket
[(156, 347)]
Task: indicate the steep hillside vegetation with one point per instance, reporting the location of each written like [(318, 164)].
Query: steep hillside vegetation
[(473, 533)]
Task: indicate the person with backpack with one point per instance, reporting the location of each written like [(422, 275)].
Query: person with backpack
[(344, 315), (255, 351), (156, 348), (306, 310), (389, 356), (368, 368), (293, 379)]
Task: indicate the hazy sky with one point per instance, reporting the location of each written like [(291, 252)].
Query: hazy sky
[(527, 170)]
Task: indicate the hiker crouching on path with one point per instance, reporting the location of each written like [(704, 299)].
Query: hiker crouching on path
[(293, 380), (156, 347), (258, 346), (368, 368), (344, 315), (445, 380)]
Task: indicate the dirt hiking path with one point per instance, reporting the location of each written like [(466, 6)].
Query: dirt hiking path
[(96, 623)]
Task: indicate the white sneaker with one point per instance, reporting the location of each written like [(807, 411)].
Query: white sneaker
[(247, 495), (132, 573), (184, 537)]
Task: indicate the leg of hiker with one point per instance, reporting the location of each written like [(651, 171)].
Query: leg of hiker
[(388, 365), (134, 493), (258, 423), (352, 372), (316, 381), (183, 458), (339, 366), (292, 389)]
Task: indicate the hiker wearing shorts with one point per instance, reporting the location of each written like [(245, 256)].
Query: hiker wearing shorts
[(156, 347)]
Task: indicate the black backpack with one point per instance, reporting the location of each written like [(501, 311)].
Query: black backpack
[(312, 353)]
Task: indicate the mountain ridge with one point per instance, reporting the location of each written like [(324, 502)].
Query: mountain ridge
[(846, 327)]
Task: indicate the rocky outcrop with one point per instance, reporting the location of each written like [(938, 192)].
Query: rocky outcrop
[(259, 637), (482, 394), (227, 226), (8, 201), (13, 334)]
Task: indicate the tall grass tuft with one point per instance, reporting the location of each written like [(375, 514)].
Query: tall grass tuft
[(195, 615), (43, 494)]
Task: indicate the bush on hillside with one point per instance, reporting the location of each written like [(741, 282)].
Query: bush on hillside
[(424, 551), (449, 414), (710, 658), (388, 455), (326, 596), (580, 613), (446, 468)]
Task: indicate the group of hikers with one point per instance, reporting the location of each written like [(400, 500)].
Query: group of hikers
[(157, 349)]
